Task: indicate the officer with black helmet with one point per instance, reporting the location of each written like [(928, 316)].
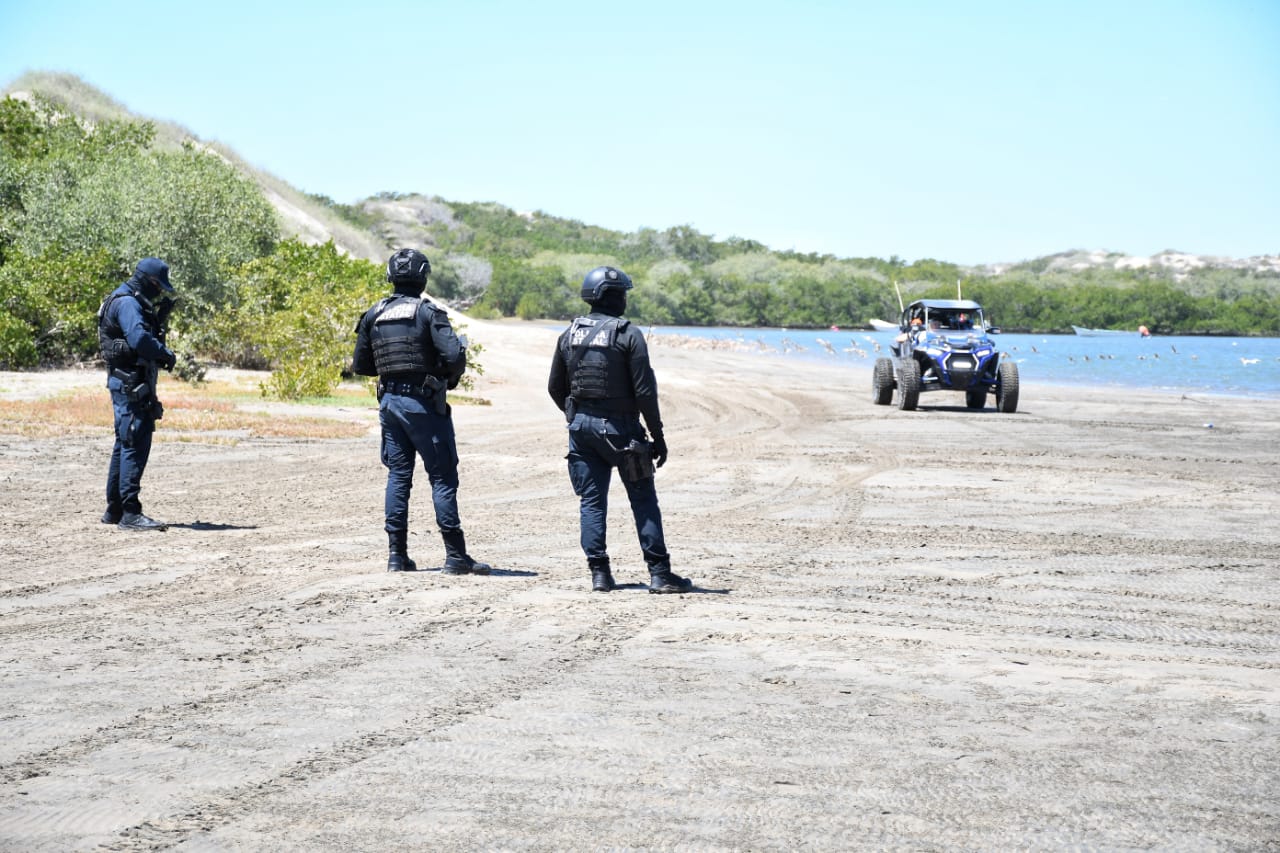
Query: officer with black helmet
[(409, 344), (602, 381), (132, 324)]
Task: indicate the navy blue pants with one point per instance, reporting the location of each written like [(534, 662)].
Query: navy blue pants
[(411, 428), (134, 428), (595, 449)]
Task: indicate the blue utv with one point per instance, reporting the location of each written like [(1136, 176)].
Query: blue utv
[(944, 345)]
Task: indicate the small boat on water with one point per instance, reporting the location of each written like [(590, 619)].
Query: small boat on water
[(1101, 333), (883, 325)]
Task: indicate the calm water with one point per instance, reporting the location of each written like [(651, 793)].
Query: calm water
[(1248, 367)]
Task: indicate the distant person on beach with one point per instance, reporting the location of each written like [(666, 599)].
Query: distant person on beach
[(602, 381), (131, 335), (409, 344)]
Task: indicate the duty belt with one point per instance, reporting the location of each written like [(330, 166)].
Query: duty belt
[(427, 388), (613, 407)]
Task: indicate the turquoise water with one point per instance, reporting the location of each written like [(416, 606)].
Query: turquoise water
[(1248, 367)]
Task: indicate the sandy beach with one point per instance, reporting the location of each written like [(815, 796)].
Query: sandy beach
[(929, 630)]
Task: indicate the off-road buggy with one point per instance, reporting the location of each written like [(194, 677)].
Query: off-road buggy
[(944, 345)]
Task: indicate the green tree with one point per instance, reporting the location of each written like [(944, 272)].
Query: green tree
[(69, 189), (520, 289), (188, 207)]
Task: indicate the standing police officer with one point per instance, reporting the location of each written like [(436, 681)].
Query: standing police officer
[(602, 381), (408, 343), (131, 336)]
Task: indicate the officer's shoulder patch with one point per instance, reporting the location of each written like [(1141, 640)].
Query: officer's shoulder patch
[(592, 333), (582, 326), (405, 309)]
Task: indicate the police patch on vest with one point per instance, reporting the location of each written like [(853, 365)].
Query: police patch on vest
[(580, 333), (405, 310)]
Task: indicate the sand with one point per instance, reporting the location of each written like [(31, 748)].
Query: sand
[(930, 630)]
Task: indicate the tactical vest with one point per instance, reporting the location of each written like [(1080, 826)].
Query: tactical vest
[(112, 345), (597, 370), (401, 336)]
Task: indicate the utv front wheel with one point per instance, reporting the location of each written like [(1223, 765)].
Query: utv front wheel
[(1007, 388), (882, 382), (909, 384), (976, 398)]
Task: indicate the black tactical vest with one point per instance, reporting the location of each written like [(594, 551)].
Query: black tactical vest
[(112, 346), (597, 370), (401, 336)]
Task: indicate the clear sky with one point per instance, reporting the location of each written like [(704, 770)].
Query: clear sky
[(972, 132)]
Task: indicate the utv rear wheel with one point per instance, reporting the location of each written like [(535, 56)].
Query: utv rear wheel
[(975, 398), (909, 384), (882, 382), (1007, 388)]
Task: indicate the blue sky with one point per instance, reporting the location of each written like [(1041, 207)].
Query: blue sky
[(969, 131)]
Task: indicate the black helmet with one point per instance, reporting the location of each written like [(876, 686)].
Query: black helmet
[(408, 266), (601, 279)]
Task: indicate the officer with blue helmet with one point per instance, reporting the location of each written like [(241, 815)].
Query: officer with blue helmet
[(409, 344), (601, 379), (132, 324)]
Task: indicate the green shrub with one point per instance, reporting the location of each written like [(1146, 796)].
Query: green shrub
[(295, 311), (485, 312), (474, 367), (17, 349), (56, 296), (529, 307), (309, 344)]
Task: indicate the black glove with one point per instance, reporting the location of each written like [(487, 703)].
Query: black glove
[(167, 359), (659, 450)]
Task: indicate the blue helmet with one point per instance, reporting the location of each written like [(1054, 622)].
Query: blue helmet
[(601, 279)]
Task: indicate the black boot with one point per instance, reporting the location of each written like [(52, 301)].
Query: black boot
[(663, 580), (138, 521), (601, 577), (456, 559), (398, 558), (400, 563)]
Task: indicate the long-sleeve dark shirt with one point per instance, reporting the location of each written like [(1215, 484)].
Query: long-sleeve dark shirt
[(126, 312)]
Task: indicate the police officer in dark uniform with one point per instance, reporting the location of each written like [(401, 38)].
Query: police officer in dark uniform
[(408, 343), (131, 335), (602, 381)]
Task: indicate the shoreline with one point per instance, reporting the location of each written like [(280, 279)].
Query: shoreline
[(44, 383)]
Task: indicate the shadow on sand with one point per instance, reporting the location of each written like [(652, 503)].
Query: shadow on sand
[(209, 525)]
